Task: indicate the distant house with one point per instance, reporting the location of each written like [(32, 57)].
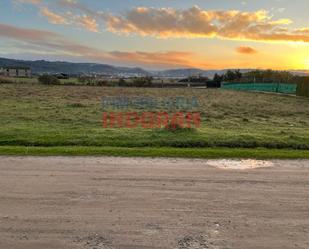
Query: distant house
[(16, 71)]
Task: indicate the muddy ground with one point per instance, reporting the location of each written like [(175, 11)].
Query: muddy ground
[(117, 203)]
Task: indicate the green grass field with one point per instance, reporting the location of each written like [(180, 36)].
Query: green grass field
[(71, 117), (204, 153)]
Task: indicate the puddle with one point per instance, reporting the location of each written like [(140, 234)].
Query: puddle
[(241, 164)]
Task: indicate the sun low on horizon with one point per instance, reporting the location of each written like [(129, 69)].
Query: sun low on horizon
[(306, 63), (212, 34)]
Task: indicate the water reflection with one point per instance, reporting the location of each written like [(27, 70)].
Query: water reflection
[(240, 164)]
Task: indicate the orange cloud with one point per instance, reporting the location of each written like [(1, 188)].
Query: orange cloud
[(53, 17), (171, 58), (246, 50), (88, 23), (302, 31), (195, 22), (164, 22), (84, 21)]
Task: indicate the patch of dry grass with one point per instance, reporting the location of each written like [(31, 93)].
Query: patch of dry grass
[(32, 114)]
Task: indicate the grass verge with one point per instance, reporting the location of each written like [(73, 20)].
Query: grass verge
[(207, 153)]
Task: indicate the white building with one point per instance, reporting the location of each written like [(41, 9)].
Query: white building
[(16, 71)]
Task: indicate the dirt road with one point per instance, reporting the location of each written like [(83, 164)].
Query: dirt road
[(116, 203)]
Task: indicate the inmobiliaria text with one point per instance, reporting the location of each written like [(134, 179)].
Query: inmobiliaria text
[(176, 112)]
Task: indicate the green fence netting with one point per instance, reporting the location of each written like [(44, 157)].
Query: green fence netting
[(264, 87)]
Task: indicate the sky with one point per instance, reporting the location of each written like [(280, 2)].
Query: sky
[(159, 34)]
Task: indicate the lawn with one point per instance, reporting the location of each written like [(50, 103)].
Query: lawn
[(57, 116)]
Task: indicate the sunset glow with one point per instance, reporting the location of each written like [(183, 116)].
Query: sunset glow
[(306, 64), (159, 34)]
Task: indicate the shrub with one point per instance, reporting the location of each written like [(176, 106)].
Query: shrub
[(142, 81), (101, 83), (122, 82), (48, 80), (4, 80)]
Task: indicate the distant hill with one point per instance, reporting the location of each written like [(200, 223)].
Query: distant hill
[(185, 72), (300, 72), (42, 66), (194, 72)]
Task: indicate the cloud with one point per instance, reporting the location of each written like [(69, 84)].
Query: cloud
[(171, 58), (302, 31), (195, 22), (36, 2), (164, 22), (86, 19), (88, 23), (68, 18), (77, 6), (246, 50), (54, 43), (29, 35), (53, 17)]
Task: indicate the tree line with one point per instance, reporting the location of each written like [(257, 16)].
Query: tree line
[(256, 76)]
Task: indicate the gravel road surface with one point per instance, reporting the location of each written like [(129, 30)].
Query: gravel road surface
[(144, 203)]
